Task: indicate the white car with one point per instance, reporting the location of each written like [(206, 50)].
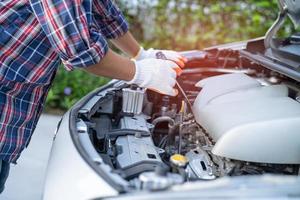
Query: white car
[(232, 132)]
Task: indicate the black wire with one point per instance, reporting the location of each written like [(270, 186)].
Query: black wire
[(163, 141)]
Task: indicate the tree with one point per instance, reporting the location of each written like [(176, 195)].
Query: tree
[(195, 24)]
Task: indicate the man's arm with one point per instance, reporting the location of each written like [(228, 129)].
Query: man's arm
[(114, 27), (114, 66), (127, 44)]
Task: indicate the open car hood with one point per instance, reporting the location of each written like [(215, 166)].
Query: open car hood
[(293, 10)]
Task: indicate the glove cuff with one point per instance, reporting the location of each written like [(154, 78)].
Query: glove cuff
[(138, 55), (144, 54)]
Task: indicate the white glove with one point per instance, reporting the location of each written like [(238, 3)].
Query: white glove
[(157, 75), (161, 54)]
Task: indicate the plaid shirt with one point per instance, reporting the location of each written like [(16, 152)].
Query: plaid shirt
[(35, 36)]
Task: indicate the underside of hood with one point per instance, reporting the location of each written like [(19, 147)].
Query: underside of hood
[(283, 50), (293, 10)]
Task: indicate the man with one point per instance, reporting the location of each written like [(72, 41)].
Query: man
[(36, 35)]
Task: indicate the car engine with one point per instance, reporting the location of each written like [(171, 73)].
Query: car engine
[(224, 122)]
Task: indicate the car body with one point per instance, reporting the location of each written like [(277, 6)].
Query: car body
[(232, 132)]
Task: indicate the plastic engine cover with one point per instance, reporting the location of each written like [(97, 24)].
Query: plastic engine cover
[(248, 121), (137, 154)]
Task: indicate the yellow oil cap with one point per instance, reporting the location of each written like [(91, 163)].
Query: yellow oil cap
[(179, 160)]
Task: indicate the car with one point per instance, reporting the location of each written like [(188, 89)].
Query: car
[(232, 131)]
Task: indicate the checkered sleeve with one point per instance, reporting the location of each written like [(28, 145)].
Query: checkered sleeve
[(109, 18), (67, 26)]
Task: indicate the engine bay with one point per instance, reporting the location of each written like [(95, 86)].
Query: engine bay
[(226, 121)]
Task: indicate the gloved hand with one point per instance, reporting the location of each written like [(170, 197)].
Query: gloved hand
[(161, 54), (157, 75)]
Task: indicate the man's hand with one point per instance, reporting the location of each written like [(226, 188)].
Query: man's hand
[(157, 75), (161, 54)]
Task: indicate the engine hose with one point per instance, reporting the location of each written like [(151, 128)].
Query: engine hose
[(171, 124), (164, 119)]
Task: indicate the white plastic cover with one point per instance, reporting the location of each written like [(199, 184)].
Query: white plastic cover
[(248, 121)]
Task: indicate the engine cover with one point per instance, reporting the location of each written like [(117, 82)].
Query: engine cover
[(137, 154), (248, 121)]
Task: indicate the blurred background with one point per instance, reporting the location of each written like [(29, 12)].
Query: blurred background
[(177, 25)]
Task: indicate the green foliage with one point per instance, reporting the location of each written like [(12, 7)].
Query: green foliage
[(195, 24), (69, 87), (177, 25)]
